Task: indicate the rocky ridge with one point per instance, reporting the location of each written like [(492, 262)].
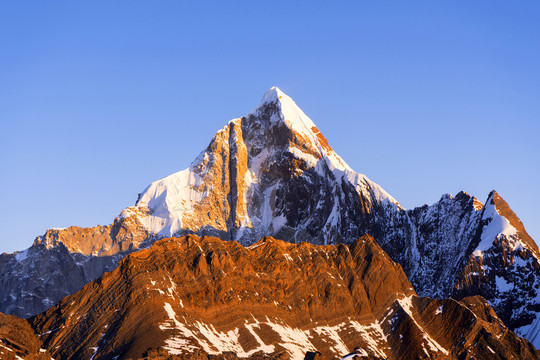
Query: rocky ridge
[(196, 296), (62, 261), (18, 340)]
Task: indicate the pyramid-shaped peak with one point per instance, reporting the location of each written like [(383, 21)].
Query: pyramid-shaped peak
[(287, 112), (493, 193), (274, 94), (498, 205)]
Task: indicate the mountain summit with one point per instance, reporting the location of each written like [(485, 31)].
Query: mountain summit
[(272, 173)]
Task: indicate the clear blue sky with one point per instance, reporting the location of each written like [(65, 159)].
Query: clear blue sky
[(100, 98)]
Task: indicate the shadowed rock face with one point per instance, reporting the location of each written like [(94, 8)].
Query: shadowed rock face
[(504, 268), (62, 261), (18, 341), (198, 297), (272, 173)]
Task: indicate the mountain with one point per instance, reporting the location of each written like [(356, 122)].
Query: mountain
[(504, 268), (61, 262), (269, 173), (205, 295), (272, 173), (18, 340)]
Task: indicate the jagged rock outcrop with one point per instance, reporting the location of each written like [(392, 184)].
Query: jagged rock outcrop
[(184, 295), (18, 340), (505, 269), (459, 247), (62, 261), (272, 173)]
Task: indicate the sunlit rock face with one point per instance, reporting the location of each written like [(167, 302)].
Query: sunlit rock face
[(18, 340), (192, 295)]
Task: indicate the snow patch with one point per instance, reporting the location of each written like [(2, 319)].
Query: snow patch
[(373, 335), (406, 305), (295, 341), (502, 284), (531, 332), (498, 225), (21, 255)]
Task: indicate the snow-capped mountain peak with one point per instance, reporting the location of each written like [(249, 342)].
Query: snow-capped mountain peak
[(287, 112), (499, 221), (271, 172)]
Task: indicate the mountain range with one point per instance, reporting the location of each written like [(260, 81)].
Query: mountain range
[(191, 295), (272, 173)]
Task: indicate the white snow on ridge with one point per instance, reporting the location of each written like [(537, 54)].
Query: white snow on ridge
[(294, 117), (295, 341), (289, 110), (169, 199), (310, 160), (365, 186), (406, 305), (498, 225)]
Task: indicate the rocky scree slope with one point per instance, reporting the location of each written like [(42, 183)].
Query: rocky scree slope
[(272, 173), (191, 295)]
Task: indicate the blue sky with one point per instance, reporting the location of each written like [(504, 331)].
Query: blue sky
[(98, 99)]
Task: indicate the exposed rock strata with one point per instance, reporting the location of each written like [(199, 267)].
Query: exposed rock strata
[(18, 341), (196, 294)]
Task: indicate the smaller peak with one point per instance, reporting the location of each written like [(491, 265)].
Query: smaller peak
[(446, 197), (463, 196), (498, 206), (274, 94), (493, 197)]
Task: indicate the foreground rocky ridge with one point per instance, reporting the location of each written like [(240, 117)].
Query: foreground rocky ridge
[(18, 341), (272, 173), (187, 295)]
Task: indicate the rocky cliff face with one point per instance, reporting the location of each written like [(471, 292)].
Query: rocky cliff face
[(504, 268), (459, 247), (62, 261), (191, 295), (272, 173), (18, 340)]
